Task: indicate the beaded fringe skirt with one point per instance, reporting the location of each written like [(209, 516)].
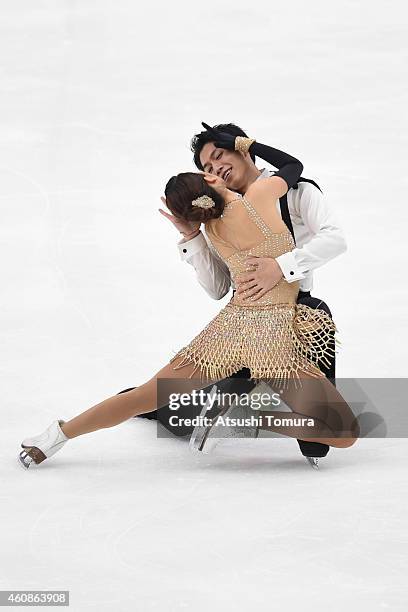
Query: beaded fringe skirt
[(277, 341)]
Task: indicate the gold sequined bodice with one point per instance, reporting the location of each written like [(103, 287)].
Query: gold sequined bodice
[(273, 336), (273, 245)]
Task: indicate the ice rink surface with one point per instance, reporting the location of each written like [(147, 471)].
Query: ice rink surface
[(98, 103)]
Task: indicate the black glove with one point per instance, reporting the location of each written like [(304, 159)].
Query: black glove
[(289, 167), (223, 140)]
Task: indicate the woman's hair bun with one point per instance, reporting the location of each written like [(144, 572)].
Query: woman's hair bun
[(183, 189)]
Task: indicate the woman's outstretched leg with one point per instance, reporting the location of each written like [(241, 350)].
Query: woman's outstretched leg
[(142, 399), (110, 412)]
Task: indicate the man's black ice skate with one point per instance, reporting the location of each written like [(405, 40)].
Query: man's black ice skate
[(313, 451)]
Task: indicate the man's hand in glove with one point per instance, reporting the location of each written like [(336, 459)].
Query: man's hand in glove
[(222, 140)]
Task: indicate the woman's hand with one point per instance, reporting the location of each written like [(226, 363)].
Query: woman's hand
[(183, 226), (216, 182)]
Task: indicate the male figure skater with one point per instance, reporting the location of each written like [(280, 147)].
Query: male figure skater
[(315, 229)]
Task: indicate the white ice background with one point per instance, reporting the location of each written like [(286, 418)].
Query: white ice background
[(98, 103)]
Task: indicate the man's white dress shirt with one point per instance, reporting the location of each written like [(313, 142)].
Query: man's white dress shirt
[(318, 235)]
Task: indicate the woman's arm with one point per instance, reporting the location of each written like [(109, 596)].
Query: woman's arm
[(289, 167), (276, 186)]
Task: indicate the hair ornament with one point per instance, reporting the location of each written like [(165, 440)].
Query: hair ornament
[(203, 202)]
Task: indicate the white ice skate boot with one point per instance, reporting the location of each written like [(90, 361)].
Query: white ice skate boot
[(44, 445)]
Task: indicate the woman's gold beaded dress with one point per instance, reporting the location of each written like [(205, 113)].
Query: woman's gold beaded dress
[(274, 337)]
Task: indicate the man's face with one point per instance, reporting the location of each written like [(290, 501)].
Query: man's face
[(232, 166)]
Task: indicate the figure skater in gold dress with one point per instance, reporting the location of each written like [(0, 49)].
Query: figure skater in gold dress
[(280, 341)]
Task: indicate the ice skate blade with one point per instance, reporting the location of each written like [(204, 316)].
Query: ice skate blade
[(314, 462), (204, 447), (199, 438), (200, 432), (31, 455)]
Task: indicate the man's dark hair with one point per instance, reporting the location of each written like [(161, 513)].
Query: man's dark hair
[(201, 139)]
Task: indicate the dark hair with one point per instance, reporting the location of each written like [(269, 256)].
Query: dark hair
[(201, 139), (182, 189)]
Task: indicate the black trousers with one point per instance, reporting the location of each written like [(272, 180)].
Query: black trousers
[(240, 383), (315, 449)]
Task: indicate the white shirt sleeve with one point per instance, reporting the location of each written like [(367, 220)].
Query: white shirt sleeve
[(327, 241), (212, 273)]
